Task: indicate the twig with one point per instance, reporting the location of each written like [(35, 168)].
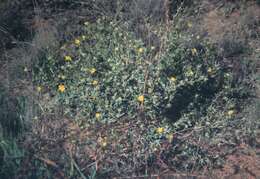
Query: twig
[(52, 164), (78, 169)]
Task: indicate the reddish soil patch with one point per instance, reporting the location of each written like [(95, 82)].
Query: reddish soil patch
[(217, 23), (243, 164)]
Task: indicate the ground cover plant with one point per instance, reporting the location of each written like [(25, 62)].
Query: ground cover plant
[(105, 76)]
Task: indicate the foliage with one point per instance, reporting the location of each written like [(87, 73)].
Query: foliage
[(105, 76), (10, 128), (10, 158)]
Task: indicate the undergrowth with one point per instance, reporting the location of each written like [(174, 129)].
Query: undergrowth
[(105, 77), (130, 97), (10, 128)]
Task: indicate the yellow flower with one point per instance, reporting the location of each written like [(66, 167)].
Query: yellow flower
[(173, 79), (102, 141), (39, 88), (116, 49), (95, 82), (231, 112), (194, 51), (210, 70), (189, 24), (140, 50), (160, 130), (86, 23), (83, 37), (61, 88), (104, 144), (169, 137), (98, 115), (190, 73), (62, 77), (141, 98), (67, 58), (77, 41), (92, 70)]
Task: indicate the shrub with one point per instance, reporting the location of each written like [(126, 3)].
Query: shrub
[(105, 74)]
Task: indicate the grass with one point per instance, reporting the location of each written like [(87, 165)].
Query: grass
[(10, 128)]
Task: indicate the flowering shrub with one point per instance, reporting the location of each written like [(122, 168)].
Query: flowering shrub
[(137, 100), (106, 74)]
